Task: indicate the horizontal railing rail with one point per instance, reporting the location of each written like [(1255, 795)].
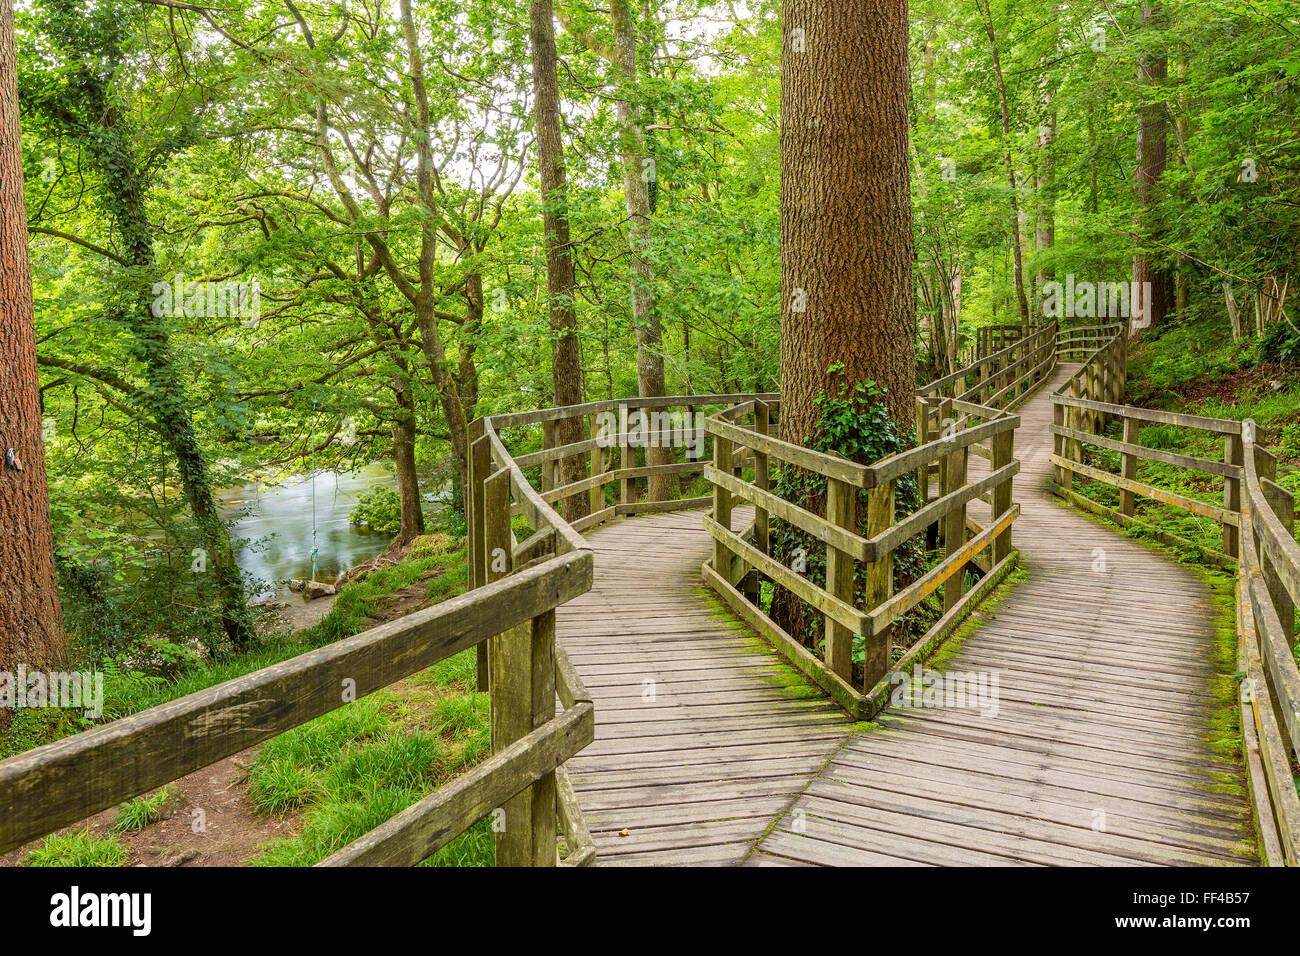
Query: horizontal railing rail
[(68, 780)]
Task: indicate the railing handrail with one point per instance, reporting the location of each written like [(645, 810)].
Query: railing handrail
[(1004, 378), (522, 714)]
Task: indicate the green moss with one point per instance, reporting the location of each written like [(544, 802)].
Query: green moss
[(977, 619)]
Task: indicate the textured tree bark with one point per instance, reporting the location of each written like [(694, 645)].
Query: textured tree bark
[(1151, 152), (637, 173), (1016, 234), (847, 297), (31, 624), (566, 355)]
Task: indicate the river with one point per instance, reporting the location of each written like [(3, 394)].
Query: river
[(274, 524)]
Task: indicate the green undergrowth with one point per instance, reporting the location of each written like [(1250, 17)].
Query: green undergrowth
[(147, 810), (78, 849), (351, 770)]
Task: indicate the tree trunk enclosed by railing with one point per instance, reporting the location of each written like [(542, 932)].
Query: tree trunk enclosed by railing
[(957, 415)]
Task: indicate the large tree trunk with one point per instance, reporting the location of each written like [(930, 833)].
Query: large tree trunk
[(1016, 234), (847, 298), (637, 173), (31, 625), (1151, 150), (566, 356)]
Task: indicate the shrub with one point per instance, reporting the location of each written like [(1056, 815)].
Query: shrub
[(378, 509)]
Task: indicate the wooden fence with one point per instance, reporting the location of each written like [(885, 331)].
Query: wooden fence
[(962, 414), (68, 780), (1256, 526), (515, 528)]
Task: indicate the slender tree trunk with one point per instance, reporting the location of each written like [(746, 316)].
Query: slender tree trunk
[(1045, 228), (1151, 151), (1182, 130), (408, 482), (847, 296), (638, 172), (425, 293), (31, 624), (566, 355), (1016, 235)]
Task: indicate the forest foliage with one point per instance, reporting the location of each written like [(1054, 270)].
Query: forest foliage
[(226, 226)]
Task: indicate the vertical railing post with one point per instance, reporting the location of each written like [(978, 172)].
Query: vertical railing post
[(722, 507), (944, 421), (597, 456), (1282, 503), (954, 534), (1128, 467), (923, 437), (480, 462), (1074, 447), (1232, 455), (1001, 450), (879, 583), (552, 467), (1093, 391), (1060, 472), (626, 459), (522, 665), (840, 511), (762, 476), (542, 795)]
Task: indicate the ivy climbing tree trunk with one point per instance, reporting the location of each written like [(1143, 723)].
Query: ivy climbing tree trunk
[(847, 299), (566, 356), (89, 111), (31, 625)]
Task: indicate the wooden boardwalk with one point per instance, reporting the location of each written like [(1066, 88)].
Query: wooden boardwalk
[(709, 750)]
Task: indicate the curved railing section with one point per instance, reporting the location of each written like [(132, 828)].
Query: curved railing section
[(1256, 517), (517, 530)]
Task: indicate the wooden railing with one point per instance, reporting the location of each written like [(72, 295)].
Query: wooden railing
[(68, 780), (515, 527), (1001, 379), (958, 415), (1256, 527)]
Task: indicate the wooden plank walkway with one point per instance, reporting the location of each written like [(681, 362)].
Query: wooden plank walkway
[(709, 750)]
